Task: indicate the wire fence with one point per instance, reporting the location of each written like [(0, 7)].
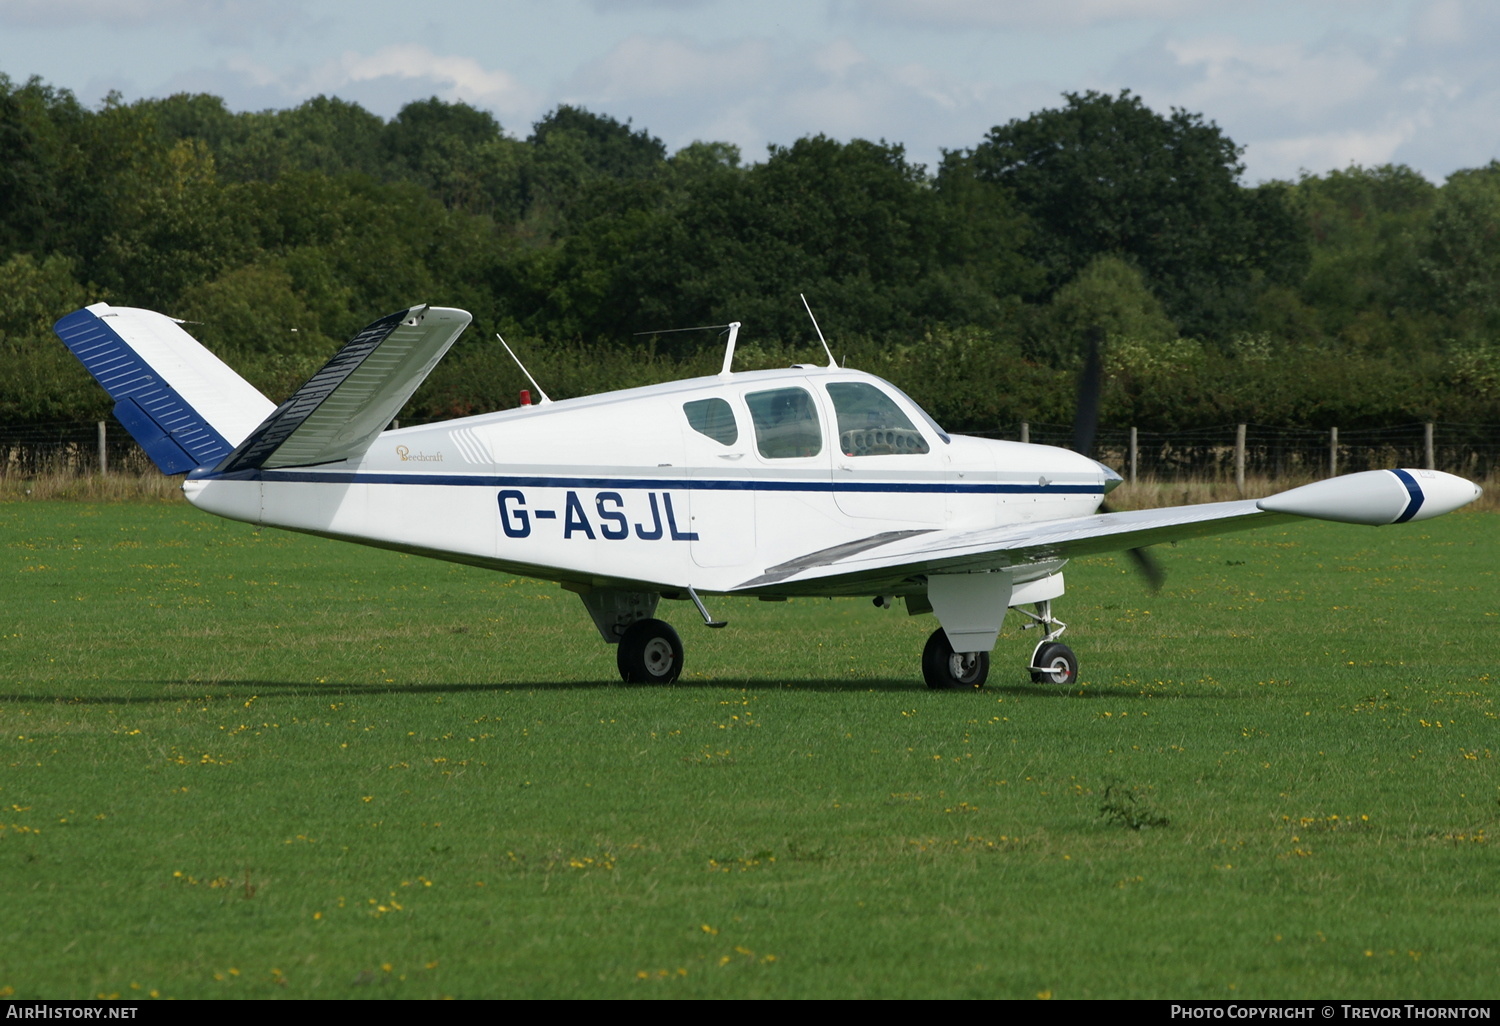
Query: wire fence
[(1215, 453), (69, 447), (1221, 452)]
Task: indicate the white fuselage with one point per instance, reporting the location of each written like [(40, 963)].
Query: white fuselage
[(705, 482)]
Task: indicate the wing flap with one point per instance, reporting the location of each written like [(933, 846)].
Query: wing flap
[(342, 408)]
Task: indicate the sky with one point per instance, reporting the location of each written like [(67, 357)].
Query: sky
[(1303, 85)]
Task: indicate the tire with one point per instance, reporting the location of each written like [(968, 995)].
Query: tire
[(946, 670), (1058, 664), (650, 652)]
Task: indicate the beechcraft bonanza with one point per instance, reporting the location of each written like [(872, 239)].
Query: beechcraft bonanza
[(813, 480)]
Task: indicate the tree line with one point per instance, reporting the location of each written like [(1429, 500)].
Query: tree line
[(1359, 297)]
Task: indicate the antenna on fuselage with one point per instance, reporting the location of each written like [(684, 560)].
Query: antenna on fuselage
[(734, 333), (545, 398), (733, 328), (832, 363)]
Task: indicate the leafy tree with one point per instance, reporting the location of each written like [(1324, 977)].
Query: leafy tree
[(1365, 225), (1460, 253), (572, 148), (38, 163), (1111, 294), (1106, 174), (422, 123), (42, 381)]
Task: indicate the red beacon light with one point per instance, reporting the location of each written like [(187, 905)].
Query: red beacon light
[(525, 397)]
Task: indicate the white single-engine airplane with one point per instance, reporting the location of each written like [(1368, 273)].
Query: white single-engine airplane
[(814, 480)]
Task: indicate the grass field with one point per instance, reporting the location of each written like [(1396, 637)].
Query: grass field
[(241, 764)]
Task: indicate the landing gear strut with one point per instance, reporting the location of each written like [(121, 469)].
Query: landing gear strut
[(945, 669), (1051, 662)]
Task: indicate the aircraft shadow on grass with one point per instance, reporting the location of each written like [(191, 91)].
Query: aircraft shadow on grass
[(175, 691)]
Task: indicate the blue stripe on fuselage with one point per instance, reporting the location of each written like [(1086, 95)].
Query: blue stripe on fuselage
[(659, 484)]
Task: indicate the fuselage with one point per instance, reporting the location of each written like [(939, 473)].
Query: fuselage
[(704, 482)]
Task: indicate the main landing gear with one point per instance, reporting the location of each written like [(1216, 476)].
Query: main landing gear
[(1051, 662), (650, 652), (944, 669)]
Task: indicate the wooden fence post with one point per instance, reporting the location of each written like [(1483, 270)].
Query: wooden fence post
[(103, 453), (1025, 433), (1333, 452), (1239, 458), (1427, 446), (1135, 455)]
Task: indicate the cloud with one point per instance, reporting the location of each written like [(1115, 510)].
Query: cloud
[(1287, 79), (463, 78), (655, 67), (628, 6), (776, 89), (1326, 151), (382, 81), (232, 22), (1015, 14)]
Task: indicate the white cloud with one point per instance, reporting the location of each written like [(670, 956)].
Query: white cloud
[(658, 67), (1440, 23), (464, 78), (1013, 14), (231, 22), (1327, 151), (759, 90), (1285, 78)]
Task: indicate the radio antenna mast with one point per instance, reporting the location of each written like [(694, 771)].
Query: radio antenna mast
[(545, 397), (832, 363)]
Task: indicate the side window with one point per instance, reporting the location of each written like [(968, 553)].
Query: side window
[(786, 423), (870, 422), (714, 418)]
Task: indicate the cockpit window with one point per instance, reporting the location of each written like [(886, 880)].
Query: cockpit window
[(714, 418), (871, 424), (786, 423), (926, 417)]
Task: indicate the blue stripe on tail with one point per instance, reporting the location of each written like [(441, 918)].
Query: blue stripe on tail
[(174, 435)]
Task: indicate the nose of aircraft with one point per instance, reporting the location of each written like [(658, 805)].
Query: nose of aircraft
[(1111, 479)]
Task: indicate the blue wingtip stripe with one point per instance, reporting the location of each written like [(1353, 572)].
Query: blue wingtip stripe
[(1414, 490)]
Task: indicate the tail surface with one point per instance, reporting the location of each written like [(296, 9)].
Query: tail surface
[(180, 402), (343, 408)]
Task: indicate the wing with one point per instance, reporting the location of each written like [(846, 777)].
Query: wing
[(897, 556), (347, 404), (890, 560)]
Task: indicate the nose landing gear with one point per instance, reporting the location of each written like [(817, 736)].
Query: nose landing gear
[(1051, 662)]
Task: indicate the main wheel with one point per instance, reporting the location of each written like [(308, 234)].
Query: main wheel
[(944, 669), (650, 652), (1054, 663)]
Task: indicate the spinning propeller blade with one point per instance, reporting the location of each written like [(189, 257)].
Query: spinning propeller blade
[(1086, 425), (1090, 388)]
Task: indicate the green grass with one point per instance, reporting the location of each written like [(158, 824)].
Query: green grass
[(242, 764)]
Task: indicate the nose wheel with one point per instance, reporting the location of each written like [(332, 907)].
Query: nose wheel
[(1051, 661), (1054, 663)]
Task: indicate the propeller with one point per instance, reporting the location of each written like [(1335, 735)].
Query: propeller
[(1086, 425)]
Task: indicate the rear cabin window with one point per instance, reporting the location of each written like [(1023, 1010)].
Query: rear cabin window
[(871, 424), (714, 418), (786, 423)]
